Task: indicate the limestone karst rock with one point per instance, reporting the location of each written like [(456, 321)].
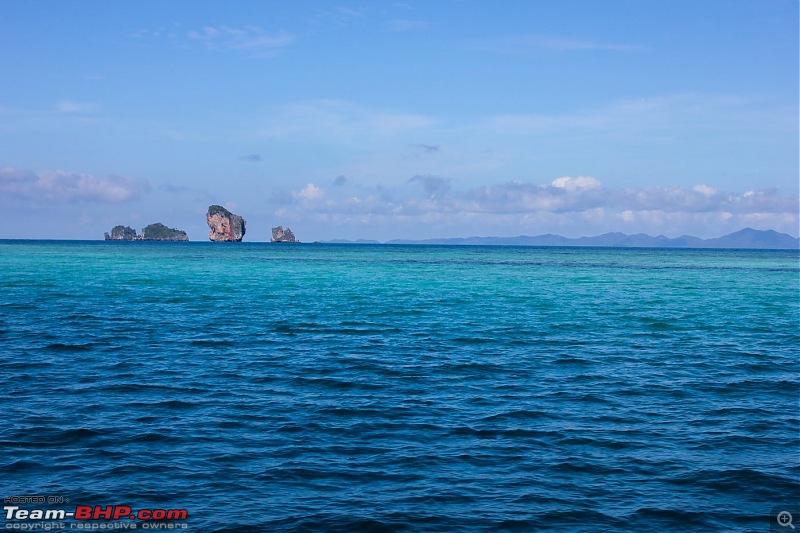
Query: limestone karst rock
[(160, 232), (122, 233), (152, 232), (224, 226), (280, 234)]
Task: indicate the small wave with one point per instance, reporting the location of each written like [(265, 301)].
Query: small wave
[(667, 519), (81, 317), (155, 436), (756, 483), (169, 404), (22, 465), (347, 412), (518, 415), (147, 387), (211, 343), (580, 467), (583, 519), (335, 524), (655, 324), (336, 384), (495, 433), (61, 347), (48, 436), (472, 340)]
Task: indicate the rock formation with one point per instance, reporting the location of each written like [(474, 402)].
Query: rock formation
[(160, 232), (153, 232), (122, 233), (283, 235), (224, 226)]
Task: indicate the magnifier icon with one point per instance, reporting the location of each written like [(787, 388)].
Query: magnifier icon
[(785, 519)]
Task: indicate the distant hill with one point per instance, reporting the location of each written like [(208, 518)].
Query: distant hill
[(751, 238), (746, 238)]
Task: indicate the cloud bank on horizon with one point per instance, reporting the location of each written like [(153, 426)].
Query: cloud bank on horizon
[(428, 203), (386, 120)]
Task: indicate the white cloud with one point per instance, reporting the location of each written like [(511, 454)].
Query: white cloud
[(247, 39), (706, 190), (564, 194), (581, 182), (567, 200), (61, 186), (310, 192)]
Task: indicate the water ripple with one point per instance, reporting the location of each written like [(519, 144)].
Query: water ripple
[(404, 388)]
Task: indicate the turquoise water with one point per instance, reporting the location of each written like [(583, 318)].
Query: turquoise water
[(403, 388)]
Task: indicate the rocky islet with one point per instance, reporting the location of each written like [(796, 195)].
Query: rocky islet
[(223, 226), (152, 232), (279, 234)]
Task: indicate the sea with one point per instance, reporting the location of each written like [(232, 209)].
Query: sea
[(256, 387)]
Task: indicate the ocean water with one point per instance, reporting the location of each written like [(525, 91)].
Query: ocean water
[(403, 388)]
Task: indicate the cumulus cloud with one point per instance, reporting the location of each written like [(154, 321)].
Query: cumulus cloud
[(310, 192), (705, 189), (703, 199), (563, 195), (582, 198), (61, 186)]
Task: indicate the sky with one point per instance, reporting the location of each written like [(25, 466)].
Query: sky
[(399, 119)]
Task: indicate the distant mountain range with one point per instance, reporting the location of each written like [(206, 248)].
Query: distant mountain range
[(746, 238)]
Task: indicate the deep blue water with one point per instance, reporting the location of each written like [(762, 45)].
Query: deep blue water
[(403, 388)]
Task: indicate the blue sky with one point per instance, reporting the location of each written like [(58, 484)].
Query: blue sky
[(407, 119)]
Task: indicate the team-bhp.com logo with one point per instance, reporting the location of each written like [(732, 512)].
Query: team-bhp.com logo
[(93, 517)]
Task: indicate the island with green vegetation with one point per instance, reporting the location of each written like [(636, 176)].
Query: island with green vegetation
[(160, 232), (153, 232), (122, 233)]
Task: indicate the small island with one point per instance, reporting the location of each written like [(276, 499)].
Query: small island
[(224, 226), (283, 235), (152, 232), (160, 232), (122, 233)]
